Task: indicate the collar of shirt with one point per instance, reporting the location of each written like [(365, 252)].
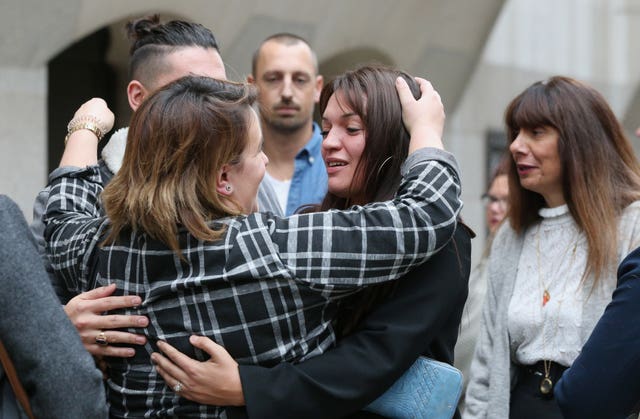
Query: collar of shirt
[(309, 181), (311, 150)]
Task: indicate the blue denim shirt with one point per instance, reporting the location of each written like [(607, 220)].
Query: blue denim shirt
[(309, 182)]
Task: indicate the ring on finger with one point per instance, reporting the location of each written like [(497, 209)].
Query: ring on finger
[(101, 339), (178, 387)]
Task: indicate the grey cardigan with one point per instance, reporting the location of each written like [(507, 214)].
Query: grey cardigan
[(492, 370), (58, 374)]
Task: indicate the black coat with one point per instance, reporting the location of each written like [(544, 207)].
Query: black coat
[(421, 317)]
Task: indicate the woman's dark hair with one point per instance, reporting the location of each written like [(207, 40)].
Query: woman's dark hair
[(600, 173), (370, 93)]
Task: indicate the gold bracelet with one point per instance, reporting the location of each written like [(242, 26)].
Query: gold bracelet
[(88, 125), (86, 121)]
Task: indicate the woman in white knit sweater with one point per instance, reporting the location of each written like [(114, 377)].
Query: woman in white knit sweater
[(574, 214)]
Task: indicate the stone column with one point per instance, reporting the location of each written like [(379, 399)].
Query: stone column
[(23, 144)]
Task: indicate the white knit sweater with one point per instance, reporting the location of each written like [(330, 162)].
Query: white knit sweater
[(554, 257)]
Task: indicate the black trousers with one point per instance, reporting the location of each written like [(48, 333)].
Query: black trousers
[(527, 401)]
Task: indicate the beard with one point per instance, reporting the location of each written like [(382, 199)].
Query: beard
[(284, 125)]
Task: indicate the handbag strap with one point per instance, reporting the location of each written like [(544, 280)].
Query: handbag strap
[(16, 385)]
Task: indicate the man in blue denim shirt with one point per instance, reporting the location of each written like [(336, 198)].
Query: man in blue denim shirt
[(285, 71)]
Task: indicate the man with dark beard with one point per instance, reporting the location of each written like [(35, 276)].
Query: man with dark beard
[(285, 71)]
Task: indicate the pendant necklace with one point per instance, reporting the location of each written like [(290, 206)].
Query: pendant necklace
[(546, 384), (546, 295)]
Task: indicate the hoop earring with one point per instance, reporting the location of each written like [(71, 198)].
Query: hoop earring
[(382, 165)]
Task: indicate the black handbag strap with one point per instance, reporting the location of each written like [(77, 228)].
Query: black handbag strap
[(16, 385)]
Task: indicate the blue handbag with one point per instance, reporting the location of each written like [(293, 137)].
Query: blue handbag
[(428, 389)]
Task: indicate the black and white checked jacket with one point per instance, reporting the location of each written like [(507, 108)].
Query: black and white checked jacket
[(267, 292)]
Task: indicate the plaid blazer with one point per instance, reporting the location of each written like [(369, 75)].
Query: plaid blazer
[(267, 291)]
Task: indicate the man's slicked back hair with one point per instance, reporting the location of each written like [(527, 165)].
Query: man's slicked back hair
[(152, 40)]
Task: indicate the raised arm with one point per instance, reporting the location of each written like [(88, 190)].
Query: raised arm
[(90, 122), (96, 118), (319, 248), (86, 309), (73, 215), (377, 242)]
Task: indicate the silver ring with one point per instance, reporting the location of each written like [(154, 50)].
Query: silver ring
[(101, 339), (178, 387)]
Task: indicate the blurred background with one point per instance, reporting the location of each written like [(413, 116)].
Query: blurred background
[(55, 54)]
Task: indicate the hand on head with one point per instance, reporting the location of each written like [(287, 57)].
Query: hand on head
[(424, 117)]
